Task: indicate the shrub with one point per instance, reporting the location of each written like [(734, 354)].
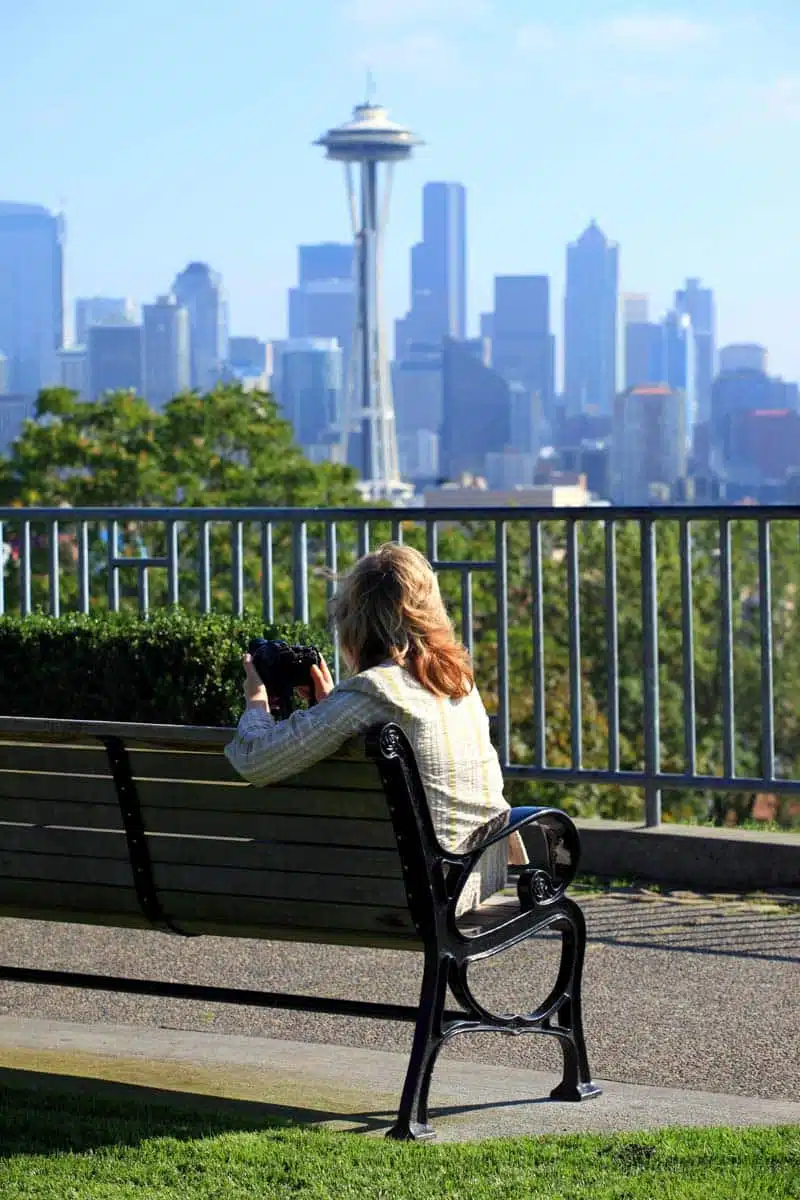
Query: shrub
[(169, 668)]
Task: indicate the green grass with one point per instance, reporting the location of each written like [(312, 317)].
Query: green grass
[(96, 1146)]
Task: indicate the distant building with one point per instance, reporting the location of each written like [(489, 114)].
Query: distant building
[(763, 450), (14, 412), (635, 308), (167, 369), (522, 346), (476, 409), (507, 469), (592, 459), (744, 356), (590, 324), (73, 370), (100, 310), (419, 455), (649, 444), (736, 392), (417, 388), (644, 353), (697, 303), (323, 304), (4, 375), (250, 362), (115, 359), (311, 389), (438, 271), (475, 493), (199, 290), (31, 296)]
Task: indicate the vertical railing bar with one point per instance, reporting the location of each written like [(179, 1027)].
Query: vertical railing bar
[(173, 563), (144, 590), (467, 632), (612, 643), (267, 588), (652, 725), (765, 614), (537, 623), (205, 566), (2, 569), (300, 570), (573, 604), (84, 603), (25, 569), (397, 530), (54, 580), (237, 566), (728, 713), (113, 569), (501, 592), (431, 540), (332, 567), (363, 538), (687, 637)]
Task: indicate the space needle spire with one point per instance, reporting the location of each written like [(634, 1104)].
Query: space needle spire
[(369, 145)]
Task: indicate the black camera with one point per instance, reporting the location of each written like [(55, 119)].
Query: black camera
[(282, 668)]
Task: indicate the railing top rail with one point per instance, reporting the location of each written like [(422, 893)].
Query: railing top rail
[(476, 513)]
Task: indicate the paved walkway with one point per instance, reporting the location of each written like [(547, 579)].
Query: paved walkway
[(691, 993)]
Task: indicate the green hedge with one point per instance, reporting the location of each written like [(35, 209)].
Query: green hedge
[(171, 668)]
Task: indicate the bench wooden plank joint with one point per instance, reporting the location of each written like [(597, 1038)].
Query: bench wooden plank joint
[(147, 826)]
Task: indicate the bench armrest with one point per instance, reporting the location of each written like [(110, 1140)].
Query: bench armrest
[(553, 846)]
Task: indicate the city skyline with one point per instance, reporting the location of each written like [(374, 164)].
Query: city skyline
[(676, 133)]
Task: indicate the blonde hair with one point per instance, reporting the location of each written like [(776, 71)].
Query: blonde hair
[(389, 607)]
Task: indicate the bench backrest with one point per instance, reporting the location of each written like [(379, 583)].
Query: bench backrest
[(312, 858)]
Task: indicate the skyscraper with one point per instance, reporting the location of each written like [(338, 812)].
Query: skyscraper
[(115, 359), (438, 271), (199, 290), (522, 346), (477, 409), (100, 310), (323, 305), (649, 443), (166, 351), (31, 295), (311, 391), (590, 324), (697, 303)]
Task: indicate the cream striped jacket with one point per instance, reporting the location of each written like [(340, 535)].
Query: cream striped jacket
[(458, 765)]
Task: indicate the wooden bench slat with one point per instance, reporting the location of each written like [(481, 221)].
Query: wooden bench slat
[(252, 855), (18, 785), (74, 843), (244, 855), (66, 868), (233, 883), (64, 760), (305, 830), (232, 911), (333, 775), (235, 797), (40, 895), (95, 815)]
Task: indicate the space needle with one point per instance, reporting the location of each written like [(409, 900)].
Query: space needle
[(367, 141)]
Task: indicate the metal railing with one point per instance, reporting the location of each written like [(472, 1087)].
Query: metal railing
[(283, 563)]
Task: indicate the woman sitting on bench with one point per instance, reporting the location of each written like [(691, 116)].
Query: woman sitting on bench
[(408, 668)]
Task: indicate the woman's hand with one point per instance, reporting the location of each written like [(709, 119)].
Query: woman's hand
[(322, 682), (255, 693)]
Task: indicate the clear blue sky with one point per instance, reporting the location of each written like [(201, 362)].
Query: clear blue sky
[(182, 129)]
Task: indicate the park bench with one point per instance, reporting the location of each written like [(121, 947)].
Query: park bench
[(147, 826)]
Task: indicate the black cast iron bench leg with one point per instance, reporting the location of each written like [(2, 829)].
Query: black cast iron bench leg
[(412, 1118), (577, 1081)]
